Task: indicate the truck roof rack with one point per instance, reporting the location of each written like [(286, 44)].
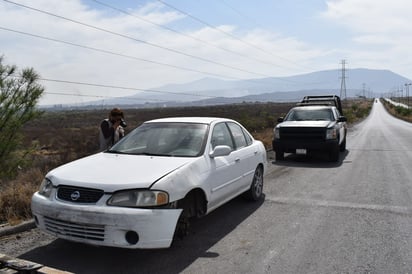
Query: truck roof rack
[(322, 100)]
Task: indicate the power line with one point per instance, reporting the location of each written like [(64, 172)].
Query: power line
[(241, 13), (125, 88), (182, 33), (127, 97), (228, 34), (115, 87), (136, 39), (135, 58), (102, 96), (152, 44), (116, 53)]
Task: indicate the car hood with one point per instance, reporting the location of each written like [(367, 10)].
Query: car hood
[(324, 124), (112, 172)]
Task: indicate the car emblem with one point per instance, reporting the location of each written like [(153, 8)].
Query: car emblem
[(75, 195)]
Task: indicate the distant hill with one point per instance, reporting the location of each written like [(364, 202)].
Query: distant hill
[(209, 91)]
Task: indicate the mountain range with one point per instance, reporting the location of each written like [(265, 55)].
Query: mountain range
[(211, 91)]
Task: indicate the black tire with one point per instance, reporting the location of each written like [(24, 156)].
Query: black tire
[(194, 206), (280, 156), (255, 191), (342, 146), (182, 228)]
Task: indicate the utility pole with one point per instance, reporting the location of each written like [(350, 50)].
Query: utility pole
[(407, 92), (343, 83), (363, 90)]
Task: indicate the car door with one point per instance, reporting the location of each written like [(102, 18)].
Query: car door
[(225, 171), (245, 154)]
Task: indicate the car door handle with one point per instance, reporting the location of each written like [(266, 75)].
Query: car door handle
[(256, 152), (237, 160)]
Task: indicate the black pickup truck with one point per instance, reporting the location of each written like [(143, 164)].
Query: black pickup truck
[(315, 124)]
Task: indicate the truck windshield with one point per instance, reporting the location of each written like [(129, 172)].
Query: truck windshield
[(310, 115)]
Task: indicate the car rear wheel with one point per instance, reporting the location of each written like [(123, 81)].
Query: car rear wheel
[(255, 191)]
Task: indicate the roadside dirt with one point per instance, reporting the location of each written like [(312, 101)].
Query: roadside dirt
[(17, 244)]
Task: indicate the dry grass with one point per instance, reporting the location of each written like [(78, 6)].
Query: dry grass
[(265, 136), (16, 195)]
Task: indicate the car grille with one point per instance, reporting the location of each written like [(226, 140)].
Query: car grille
[(75, 230), (302, 133), (79, 195)]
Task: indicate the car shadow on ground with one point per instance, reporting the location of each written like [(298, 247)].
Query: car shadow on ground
[(204, 234), (312, 160)]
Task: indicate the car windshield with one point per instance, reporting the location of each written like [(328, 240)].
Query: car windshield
[(164, 139), (310, 115)]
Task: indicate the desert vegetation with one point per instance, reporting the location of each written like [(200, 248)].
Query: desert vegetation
[(398, 111), (56, 138), (19, 94)]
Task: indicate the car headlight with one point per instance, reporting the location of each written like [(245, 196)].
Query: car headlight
[(277, 133), (331, 133), (139, 198), (46, 188)]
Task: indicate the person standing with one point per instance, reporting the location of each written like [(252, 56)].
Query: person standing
[(111, 129)]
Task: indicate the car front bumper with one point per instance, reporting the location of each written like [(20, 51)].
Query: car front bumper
[(105, 225)]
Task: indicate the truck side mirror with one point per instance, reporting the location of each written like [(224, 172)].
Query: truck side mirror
[(280, 119)]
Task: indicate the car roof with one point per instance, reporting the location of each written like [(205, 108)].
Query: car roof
[(202, 120)]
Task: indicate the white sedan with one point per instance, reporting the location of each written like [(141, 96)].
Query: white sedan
[(142, 191)]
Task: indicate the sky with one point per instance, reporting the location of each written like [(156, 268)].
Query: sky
[(87, 50)]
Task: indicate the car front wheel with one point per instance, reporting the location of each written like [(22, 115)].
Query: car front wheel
[(256, 188)]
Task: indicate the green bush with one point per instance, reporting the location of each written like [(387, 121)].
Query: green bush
[(19, 93)]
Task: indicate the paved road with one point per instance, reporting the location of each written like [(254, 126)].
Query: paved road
[(354, 216)]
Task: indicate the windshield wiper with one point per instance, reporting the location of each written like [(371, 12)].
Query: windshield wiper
[(152, 154), (115, 152)]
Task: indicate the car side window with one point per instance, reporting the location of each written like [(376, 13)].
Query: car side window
[(221, 136), (249, 139), (238, 135)]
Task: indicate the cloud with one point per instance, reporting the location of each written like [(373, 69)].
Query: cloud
[(371, 16), (379, 31)]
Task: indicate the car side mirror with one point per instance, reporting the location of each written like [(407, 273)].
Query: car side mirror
[(220, 151), (280, 119), (342, 119)]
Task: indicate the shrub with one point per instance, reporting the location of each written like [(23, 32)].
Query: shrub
[(19, 93), (16, 195)]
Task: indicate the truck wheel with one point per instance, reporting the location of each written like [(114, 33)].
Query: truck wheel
[(280, 155), (342, 146)]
